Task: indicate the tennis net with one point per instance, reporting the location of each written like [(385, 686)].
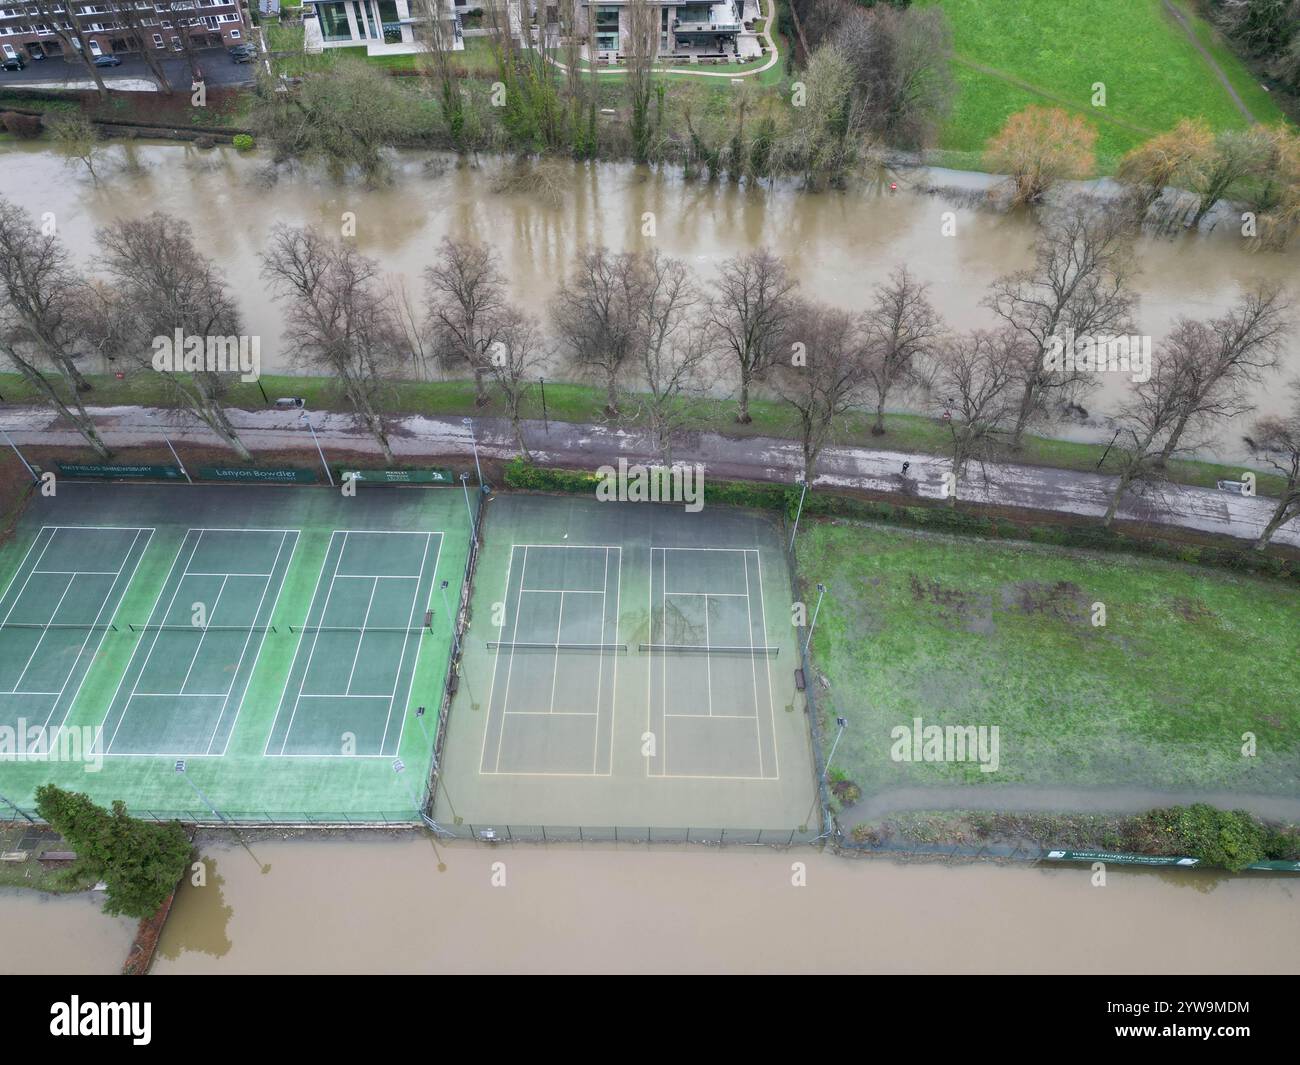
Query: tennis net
[(706, 649)]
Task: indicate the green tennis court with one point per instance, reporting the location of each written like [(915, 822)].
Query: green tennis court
[(279, 643)]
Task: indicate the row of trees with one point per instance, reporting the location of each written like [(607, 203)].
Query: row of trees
[(1041, 146), (658, 338)]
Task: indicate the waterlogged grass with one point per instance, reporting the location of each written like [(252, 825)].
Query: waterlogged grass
[(1049, 52), (585, 404), (967, 633)]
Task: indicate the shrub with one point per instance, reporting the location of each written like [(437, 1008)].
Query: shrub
[(26, 127), (1230, 839), (242, 141)]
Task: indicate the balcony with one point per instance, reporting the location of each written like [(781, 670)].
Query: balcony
[(695, 26)]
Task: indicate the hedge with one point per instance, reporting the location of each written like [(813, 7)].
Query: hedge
[(521, 474)]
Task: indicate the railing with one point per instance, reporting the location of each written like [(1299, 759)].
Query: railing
[(750, 837), (705, 27)]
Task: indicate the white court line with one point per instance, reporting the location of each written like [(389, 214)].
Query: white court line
[(29, 575), (204, 633), (379, 576), (126, 707), (302, 682), (613, 695), (753, 666), (567, 591), (600, 668), (771, 704), (554, 713), (410, 621), (78, 572), (268, 576), (361, 636), (510, 666), (555, 662), (45, 631), (244, 650), (111, 618), (496, 664)]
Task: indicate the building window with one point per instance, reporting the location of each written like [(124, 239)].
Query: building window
[(157, 40), (334, 21), (234, 35)]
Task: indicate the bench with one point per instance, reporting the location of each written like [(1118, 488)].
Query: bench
[(58, 856)]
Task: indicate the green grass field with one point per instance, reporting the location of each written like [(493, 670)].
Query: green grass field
[(961, 633), (1010, 53)]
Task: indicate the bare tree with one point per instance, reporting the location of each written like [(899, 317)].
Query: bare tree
[(519, 350), (1277, 440), (595, 314), (823, 380), (65, 23), (902, 327), (161, 284), (1144, 424), (1218, 358), (131, 20), (754, 301), (42, 288), (671, 346), (465, 293), (337, 316), (977, 375), (1079, 286), (436, 37), (39, 298)]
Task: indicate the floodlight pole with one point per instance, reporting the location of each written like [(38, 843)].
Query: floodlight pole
[(464, 481), (35, 480), (315, 439), (446, 605), (843, 724), (18, 810), (821, 594), (180, 768), (798, 513), (177, 458), (478, 470)]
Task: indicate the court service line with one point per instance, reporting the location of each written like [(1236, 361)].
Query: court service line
[(135, 686), (753, 667), (762, 613), (510, 666), (496, 664), (361, 636), (53, 531), (266, 586), (406, 642), (45, 630), (315, 639)]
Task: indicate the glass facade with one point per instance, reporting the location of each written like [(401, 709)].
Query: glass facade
[(334, 21)]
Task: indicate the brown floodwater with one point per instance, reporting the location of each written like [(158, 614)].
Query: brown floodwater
[(838, 244), (407, 906)]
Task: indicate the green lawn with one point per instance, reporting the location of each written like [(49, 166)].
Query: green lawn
[(1053, 52), (584, 403), (967, 633)]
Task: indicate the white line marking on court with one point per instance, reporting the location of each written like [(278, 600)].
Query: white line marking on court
[(410, 621), (45, 630), (361, 636), (315, 638), (510, 666), (257, 614), (78, 572), (753, 665), (204, 633), (762, 613), (175, 591), (496, 664), (111, 618), (29, 575)]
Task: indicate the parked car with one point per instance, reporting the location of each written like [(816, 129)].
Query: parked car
[(243, 53), (38, 56), (107, 61), (14, 62)]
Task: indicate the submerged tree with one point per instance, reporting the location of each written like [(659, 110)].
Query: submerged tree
[(1039, 146), (902, 329), (1276, 439), (465, 296)]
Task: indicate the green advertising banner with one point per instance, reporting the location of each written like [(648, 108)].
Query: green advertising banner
[(433, 476), (241, 473), (161, 473), (1276, 866), (1118, 859)]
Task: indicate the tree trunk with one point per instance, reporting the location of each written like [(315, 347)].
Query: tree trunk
[(78, 418), (1115, 500), (742, 415), (480, 389), (611, 393), (1280, 517), (879, 428), (1172, 442), (519, 433), (1026, 411), (71, 370)]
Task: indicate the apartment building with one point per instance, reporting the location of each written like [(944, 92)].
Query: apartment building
[(383, 26), (110, 27), (686, 30)]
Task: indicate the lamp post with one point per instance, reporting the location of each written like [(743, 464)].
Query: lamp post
[(446, 605), (546, 421), (180, 768), (169, 447), (798, 513), (478, 470), (399, 767), (843, 724), (464, 481), (821, 593), (10, 441), (305, 416)]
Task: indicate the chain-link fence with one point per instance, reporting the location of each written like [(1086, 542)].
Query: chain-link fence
[(503, 833)]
